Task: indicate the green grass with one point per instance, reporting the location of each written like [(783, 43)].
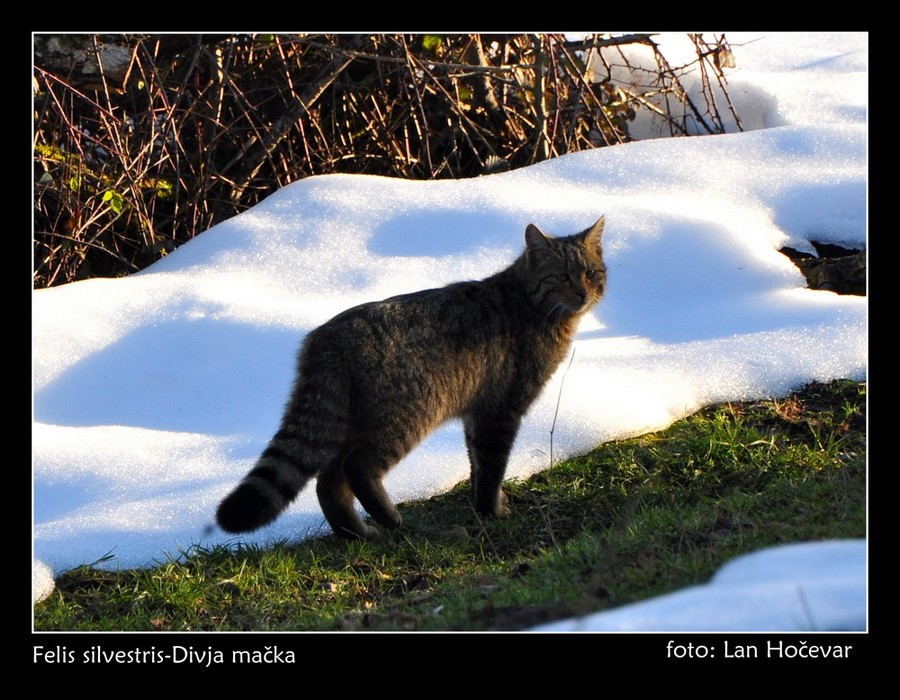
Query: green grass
[(631, 520)]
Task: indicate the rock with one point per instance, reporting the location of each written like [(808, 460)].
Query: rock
[(837, 269)]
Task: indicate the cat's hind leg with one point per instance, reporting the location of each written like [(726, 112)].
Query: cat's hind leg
[(358, 473), (364, 469), (336, 501)]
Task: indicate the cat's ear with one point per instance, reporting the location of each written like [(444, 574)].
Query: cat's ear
[(535, 239), (594, 235)]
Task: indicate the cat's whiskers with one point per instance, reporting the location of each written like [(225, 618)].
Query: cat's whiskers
[(555, 314)]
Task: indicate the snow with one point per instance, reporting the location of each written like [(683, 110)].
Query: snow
[(153, 394), (809, 586)]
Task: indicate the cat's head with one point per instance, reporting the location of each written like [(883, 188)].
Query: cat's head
[(566, 275)]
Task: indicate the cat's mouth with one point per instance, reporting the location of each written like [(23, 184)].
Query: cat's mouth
[(582, 302), (567, 308)]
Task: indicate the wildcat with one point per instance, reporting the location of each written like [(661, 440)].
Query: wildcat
[(376, 379)]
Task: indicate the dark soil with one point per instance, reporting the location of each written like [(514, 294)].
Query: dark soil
[(836, 269)]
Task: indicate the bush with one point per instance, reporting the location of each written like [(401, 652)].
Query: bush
[(142, 142)]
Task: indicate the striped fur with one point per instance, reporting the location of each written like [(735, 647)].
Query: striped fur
[(376, 379)]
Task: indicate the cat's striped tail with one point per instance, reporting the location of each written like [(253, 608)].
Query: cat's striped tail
[(265, 492), (311, 436)]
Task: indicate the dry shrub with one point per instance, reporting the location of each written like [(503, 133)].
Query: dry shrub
[(141, 142)]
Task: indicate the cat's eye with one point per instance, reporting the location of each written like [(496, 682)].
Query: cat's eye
[(561, 276), (590, 274)]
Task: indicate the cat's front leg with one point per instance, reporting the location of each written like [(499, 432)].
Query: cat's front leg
[(489, 440)]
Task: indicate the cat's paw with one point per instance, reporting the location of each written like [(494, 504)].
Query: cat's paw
[(497, 509), (372, 533), (501, 509), (360, 532), (389, 518)]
